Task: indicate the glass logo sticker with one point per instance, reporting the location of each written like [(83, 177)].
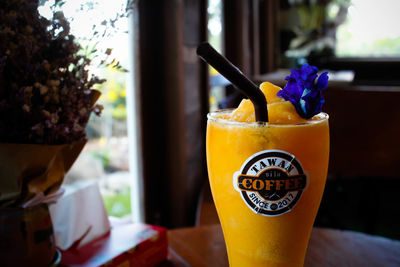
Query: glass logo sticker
[(271, 182)]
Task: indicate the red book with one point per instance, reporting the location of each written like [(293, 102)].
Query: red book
[(130, 244)]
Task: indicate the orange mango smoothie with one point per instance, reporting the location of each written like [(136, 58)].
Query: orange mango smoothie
[(267, 180)]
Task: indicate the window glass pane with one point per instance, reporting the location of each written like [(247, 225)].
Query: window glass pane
[(217, 90), (370, 30), (215, 24), (313, 30), (101, 27)]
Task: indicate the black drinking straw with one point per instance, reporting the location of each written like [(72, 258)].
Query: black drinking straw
[(236, 77)]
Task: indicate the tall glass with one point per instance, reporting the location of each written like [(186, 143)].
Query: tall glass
[(267, 183)]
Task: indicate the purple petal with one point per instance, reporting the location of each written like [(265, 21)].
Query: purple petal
[(322, 81), (302, 91)]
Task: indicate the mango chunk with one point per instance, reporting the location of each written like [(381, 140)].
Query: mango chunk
[(284, 113), (244, 112), (270, 90), (279, 110)]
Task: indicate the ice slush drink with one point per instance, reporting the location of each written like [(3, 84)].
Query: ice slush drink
[(267, 180)]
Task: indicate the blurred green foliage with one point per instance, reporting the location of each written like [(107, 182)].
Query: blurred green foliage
[(104, 156), (118, 205), (114, 92)]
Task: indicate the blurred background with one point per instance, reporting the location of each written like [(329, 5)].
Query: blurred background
[(147, 150), (101, 27)]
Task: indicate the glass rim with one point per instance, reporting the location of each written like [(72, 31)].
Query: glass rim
[(212, 116)]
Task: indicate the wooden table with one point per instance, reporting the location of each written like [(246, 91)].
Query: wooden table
[(204, 247)]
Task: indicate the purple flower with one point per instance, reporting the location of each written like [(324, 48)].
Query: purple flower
[(303, 92)]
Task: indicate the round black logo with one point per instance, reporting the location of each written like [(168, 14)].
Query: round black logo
[(271, 182)]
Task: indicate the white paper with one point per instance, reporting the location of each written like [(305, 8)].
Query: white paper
[(79, 215)]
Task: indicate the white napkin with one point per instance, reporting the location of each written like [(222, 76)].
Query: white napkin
[(79, 216)]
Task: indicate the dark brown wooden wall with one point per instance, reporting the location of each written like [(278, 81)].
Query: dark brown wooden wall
[(196, 101), (172, 95), (250, 34), (250, 38), (236, 34), (364, 129)]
